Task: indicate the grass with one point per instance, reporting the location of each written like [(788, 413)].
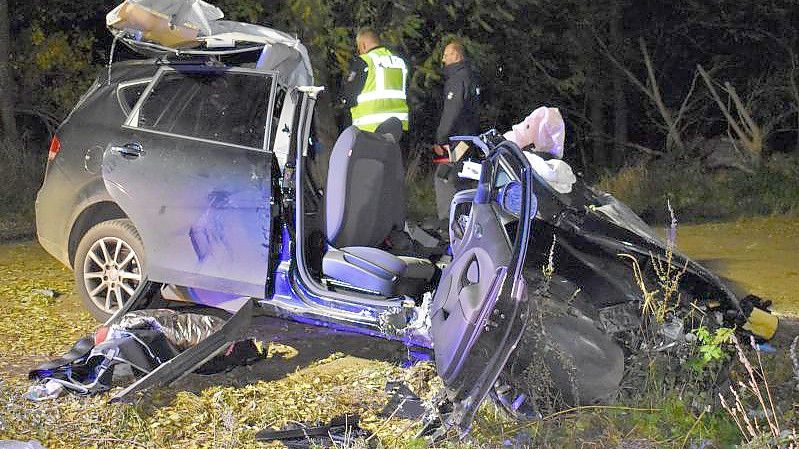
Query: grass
[(32, 322), (700, 195), (768, 431), (757, 253), (759, 420), (228, 415)]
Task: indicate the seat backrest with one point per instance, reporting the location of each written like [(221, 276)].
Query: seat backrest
[(391, 128), (365, 195)]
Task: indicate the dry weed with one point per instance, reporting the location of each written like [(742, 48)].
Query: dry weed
[(768, 431)]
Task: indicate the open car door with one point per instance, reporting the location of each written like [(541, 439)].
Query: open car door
[(192, 168), (480, 307)]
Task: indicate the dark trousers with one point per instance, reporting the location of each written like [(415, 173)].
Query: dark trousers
[(446, 183)]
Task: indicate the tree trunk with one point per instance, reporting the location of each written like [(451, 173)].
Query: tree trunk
[(324, 120), (591, 60), (619, 120), (619, 95), (7, 88), (597, 103), (795, 92), (597, 98)]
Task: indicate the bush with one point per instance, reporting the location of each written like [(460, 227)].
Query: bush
[(421, 197), (697, 194), (631, 185), (22, 176)]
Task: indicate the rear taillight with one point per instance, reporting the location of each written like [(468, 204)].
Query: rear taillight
[(55, 147)]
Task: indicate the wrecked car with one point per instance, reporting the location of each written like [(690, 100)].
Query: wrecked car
[(187, 174)]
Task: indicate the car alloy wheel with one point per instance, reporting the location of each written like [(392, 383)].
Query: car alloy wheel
[(111, 273)]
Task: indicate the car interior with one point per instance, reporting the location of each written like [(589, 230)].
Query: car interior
[(349, 223), (354, 224)]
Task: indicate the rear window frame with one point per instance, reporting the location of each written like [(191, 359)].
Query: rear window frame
[(131, 122), (127, 109)]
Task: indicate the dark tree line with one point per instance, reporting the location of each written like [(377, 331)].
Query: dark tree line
[(7, 87), (625, 74)]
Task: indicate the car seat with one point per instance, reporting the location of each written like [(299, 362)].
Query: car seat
[(364, 202)]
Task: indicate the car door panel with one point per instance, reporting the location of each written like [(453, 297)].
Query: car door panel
[(481, 305), (202, 207), (204, 219)]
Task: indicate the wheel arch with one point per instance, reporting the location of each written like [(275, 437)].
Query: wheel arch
[(91, 216)]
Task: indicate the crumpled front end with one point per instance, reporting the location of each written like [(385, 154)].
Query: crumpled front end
[(609, 253)]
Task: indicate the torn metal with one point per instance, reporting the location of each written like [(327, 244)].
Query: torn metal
[(194, 27), (159, 345)]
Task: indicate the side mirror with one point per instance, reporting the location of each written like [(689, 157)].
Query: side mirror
[(510, 196)]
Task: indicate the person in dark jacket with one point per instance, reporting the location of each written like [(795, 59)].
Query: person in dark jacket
[(460, 116)]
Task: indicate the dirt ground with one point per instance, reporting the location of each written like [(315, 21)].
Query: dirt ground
[(300, 346), (759, 254)]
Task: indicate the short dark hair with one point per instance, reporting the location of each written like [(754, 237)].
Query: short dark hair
[(458, 47), (368, 33)]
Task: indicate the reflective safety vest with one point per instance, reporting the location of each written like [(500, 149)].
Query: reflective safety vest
[(383, 95)]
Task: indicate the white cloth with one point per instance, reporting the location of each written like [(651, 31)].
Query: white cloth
[(555, 172), (543, 128)]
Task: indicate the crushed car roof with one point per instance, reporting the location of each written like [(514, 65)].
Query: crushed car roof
[(193, 27)]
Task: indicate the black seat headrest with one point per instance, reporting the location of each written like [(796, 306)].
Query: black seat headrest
[(392, 127)]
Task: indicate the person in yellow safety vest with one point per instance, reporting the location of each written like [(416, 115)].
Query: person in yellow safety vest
[(374, 89)]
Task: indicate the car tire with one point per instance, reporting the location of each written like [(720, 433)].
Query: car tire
[(562, 360), (109, 266)]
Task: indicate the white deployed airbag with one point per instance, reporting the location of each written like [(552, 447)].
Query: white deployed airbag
[(545, 131), (555, 172), (543, 128)]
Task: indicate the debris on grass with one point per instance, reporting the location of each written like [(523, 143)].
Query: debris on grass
[(341, 431), (50, 293), (227, 416)]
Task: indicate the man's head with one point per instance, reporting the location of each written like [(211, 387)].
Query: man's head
[(366, 39), (453, 53)]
